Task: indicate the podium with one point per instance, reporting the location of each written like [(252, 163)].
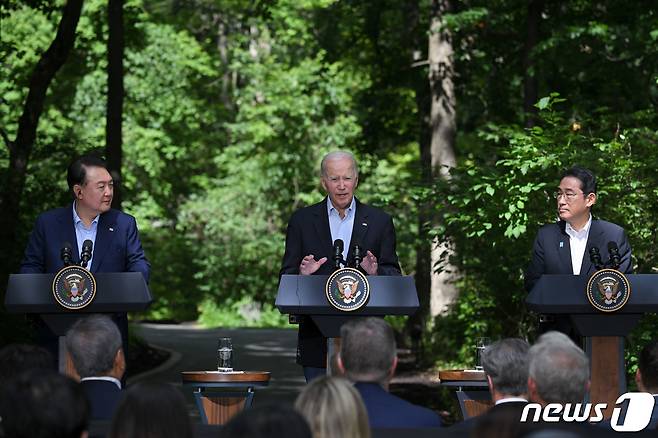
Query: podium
[(118, 292), (305, 295), (604, 332)]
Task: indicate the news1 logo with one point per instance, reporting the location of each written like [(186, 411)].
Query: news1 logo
[(638, 412)]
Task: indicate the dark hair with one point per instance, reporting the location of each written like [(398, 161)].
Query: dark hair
[(151, 410), (77, 171), (585, 176), (267, 421), (506, 362), (648, 365), (43, 404), (18, 358), (93, 343)]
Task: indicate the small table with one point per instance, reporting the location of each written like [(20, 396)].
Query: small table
[(219, 396), (472, 390)]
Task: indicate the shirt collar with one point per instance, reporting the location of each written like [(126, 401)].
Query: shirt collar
[(511, 399), (106, 378), (573, 233), (330, 206), (76, 218)]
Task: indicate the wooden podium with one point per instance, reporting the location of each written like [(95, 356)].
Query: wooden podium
[(603, 332)]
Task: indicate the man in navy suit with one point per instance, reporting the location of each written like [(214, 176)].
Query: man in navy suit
[(309, 242), (114, 235), (368, 358), (646, 377), (564, 247), (94, 344), (505, 364)]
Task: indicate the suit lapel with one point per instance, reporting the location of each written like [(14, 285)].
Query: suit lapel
[(564, 248), (359, 228), (104, 237), (67, 231), (594, 238), (322, 225)]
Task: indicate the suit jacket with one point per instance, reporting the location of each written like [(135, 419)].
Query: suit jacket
[(551, 253), (508, 412), (309, 233), (386, 411), (117, 247), (103, 396)]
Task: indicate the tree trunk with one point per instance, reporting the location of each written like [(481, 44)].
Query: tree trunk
[(20, 148), (114, 115), (530, 87), (442, 146)]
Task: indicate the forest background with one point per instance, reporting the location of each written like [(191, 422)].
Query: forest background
[(214, 115)]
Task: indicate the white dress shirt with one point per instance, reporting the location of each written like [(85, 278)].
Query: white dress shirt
[(578, 244)]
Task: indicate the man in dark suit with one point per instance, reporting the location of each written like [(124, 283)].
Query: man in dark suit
[(505, 364), (114, 235), (368, 358), (564, 247), (94, 344), (646, 377), (309, 242)]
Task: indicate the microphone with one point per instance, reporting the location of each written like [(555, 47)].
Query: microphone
[(358, 256), (338, 253), (615, 258), (595, 258), (85, 255), (66, 253)]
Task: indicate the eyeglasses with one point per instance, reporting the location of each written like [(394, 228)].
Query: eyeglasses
[(569, 196)]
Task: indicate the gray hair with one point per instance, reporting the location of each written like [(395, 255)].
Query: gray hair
[(338, 155), (367, 349), (506, 362), (559, 368), (93, 343)]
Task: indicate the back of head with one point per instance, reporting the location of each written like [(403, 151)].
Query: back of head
[(367, 349), (151, 410), (42, 403), (93, 343), (506, 362), (18, 358), (266, 422), (333, 408), (648, 366), (559, 369)]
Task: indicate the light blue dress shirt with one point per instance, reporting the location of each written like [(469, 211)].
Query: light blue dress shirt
[(83, 233), (341, 228)]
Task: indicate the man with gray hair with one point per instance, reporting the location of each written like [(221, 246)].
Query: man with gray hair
[(310, 239), (368, 358), (505, 364), (558, 370), (94, 344)]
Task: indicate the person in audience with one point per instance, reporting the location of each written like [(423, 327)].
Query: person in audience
[(266, 422), (18, 358), (646, 377), (95, 346), (333, 408), (41, 403), (558, 370), (368, 358), (505, 365), (151, 410)]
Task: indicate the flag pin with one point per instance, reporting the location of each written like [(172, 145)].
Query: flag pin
[(561, 244), (111, 229), (364, 224)]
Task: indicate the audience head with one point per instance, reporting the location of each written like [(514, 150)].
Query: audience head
[(151, 410), (506, 364), (94, 343), (367, 351), (42, 403), (558, 370), (333, 408), (267, 421), (647, 368), (18, 358)]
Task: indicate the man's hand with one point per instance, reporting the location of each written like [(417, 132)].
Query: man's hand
[(309, 265), (369, 263)]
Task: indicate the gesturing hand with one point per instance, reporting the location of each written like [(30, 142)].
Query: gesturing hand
[(369, 263), (309, 265)]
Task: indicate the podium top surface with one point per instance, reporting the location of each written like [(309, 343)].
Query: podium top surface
[(566, 294), (305, 295)]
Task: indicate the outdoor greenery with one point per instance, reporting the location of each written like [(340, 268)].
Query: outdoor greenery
[(230, 104)]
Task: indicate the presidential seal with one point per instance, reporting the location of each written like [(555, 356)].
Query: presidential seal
[(74, 287), (347, 289), (608, 290)]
